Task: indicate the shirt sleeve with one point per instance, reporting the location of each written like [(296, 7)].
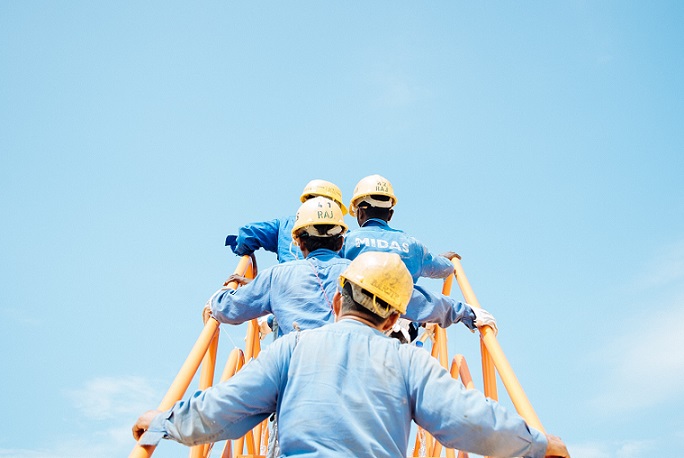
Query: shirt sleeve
[(347, 245), (434, 266), (235, 306), (428, 307), (465, 419), (228, 410), (253, 236)]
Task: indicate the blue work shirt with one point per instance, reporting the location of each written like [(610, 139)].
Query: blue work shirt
[(346, 390), (302, 292), (377, 235), (295, 291), (274, 236)]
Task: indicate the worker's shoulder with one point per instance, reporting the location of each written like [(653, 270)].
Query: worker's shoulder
[(375, 229), (412, 354), (343, 332), (287, 220), (325, 256), (320, 259), (273, 222)]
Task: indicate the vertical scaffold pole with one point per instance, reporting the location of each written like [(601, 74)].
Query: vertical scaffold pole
[(498, 358), (189, 368), (488, 372)]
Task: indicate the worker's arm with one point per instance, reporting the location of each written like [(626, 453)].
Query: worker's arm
[(556, 447), (253, 236), (236, 306), (226, 411), (143, 423), (465, 419), (432, 266), (428, 307)]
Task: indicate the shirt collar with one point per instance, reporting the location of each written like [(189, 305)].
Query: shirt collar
[(357, 326), (375, 222), (323, 253)]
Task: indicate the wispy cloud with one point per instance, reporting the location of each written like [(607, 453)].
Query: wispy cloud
[(18, 315), (666, 267), (399, 92), (395, 88), (107, 443), (635, 360), (626, 449), (110, 397), (645, 349), (110, 405)]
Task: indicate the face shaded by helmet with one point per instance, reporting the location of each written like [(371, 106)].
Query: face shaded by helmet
[(325, 189), (367, 188), (380, 282), (319, 217)]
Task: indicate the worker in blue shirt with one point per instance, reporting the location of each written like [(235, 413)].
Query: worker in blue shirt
[(373, 206), (347, 390), (299, 293), (275, 235)]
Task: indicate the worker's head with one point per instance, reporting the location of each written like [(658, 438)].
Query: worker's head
[(376, 285), (373, 198), (316, 188), (319, 224)]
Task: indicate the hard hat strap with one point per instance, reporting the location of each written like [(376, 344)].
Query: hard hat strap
[(370, 301), (373, 202), (322, 230)]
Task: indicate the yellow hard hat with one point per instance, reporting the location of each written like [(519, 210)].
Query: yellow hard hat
[(323, 188), (373, 185), (317, 212), (383, 276)]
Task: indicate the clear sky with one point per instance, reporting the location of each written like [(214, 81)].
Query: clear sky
[(542, 141)]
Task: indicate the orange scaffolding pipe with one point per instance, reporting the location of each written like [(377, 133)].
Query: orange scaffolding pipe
[(189, 368), (498, 358), (493, 360)]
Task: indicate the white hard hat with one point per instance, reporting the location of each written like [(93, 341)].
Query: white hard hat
[(319, 217), (323, 188), (373, 185)]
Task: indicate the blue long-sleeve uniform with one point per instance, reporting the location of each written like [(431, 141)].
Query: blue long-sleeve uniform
[(302, 292), (274, 235), (377, 235), (347, 390)]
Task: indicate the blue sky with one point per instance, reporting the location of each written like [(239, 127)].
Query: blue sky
[(540, 140)]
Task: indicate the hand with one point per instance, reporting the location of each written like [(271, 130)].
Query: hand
[(143, 423), (254, 264), (450, 254), (264, 326), (556, 447), (239, 279), (206, 312), (231, 241), (484, 318)]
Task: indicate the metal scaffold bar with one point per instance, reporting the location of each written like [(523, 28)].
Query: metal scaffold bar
[(498, 358), (192, 363)]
